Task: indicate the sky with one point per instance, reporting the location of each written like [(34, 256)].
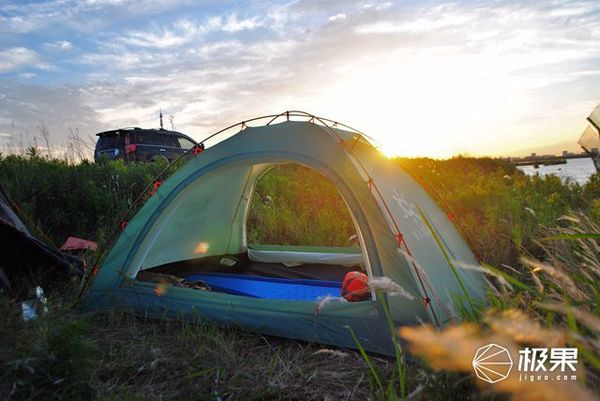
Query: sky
[(424, 78)]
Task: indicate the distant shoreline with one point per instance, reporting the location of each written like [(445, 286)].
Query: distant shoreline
[(574, 169)]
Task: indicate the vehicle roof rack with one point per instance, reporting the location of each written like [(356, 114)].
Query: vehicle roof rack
[(116, 130)]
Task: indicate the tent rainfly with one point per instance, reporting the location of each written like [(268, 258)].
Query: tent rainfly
[(185, 253)]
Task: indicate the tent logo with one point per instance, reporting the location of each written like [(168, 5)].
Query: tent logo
[(492, 363), (410, 211)]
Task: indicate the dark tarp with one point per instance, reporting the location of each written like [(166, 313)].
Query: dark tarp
[(24, 260)]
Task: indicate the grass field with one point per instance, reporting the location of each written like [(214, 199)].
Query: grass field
[(537, 237)]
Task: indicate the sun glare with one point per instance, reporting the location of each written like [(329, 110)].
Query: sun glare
[(388, 151), (434, 107)]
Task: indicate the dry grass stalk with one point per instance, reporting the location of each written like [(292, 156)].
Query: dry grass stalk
[(519, 327), (592, 322), (559, 277), (385, 284), (454, 348)]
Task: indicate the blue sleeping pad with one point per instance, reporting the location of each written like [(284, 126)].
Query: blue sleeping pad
[(268, 287)]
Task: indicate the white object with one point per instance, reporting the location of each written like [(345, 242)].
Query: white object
[(291, 258)]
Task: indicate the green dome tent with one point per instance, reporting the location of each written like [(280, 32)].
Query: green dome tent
[(194, 227)]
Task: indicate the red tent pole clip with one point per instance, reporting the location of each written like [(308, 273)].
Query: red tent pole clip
[(427, 301), (399, 238), (198, 149), (95, 271), (370, 183), (124, 225), (155, 186)]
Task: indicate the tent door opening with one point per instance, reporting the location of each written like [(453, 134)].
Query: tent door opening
[(299, 240)]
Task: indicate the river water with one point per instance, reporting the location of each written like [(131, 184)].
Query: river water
[(576, 170)]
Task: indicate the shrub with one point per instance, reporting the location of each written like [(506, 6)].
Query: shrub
[(48, 358)]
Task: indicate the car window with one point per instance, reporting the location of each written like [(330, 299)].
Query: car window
[(185, 143), (148, 138), (108, 142), (156, 139), (169, 140), (143, 138)]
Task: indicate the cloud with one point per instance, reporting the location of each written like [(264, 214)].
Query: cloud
[(63, 45), (24, 107), (182, 32), (178, 34), (23, 18), (82, 16), (121, 61), (16, 57), (336, 17), (430, 23), (378, 5), (233, 24), (27, 75), (104, 2)]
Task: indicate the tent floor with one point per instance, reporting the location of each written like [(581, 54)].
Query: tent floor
[(260, 280)]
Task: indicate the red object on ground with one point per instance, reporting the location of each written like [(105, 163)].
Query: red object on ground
[(355, 287), (78, 244), (132, 148)]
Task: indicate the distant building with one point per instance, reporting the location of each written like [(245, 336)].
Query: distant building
[(565, 153), (533, 155)]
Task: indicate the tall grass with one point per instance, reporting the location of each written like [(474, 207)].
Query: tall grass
[(295, 205), (499, 209), (63, 199), (118, 356), (550, 300)]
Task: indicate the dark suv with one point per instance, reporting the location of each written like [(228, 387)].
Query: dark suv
[(138, 144)]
